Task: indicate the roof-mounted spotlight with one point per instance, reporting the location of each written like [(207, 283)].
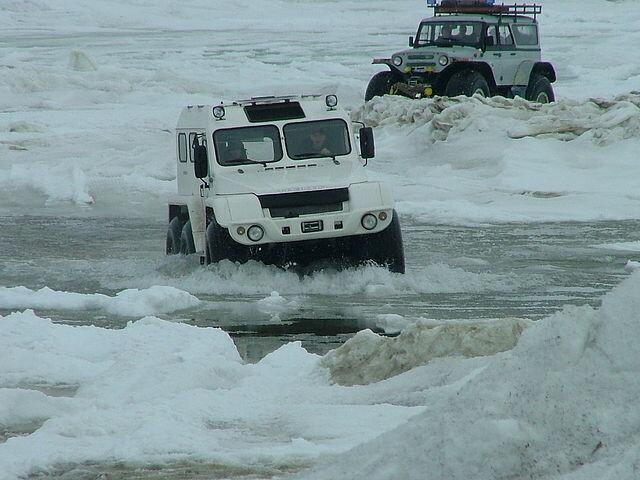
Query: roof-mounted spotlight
[(331, 101), (218, 112)]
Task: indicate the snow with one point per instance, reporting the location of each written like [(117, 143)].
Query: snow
[(130, 302), (89, 95), (560, 404)]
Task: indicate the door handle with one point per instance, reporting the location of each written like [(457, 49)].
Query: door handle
[(497, 54)]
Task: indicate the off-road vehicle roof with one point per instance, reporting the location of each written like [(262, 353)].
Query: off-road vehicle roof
[(481, 17)]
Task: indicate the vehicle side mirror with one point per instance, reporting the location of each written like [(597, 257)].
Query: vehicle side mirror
[(200, 161), (411, 41), (367, 144), (489, 42)]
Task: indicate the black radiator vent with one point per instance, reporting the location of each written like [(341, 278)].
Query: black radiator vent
[(304, 203)]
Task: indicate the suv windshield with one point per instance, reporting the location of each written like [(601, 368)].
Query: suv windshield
[(448, 33), (236, 146), (323, 138)]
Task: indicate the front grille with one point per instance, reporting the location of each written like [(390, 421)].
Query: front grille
[(294, 204), (291, 212)]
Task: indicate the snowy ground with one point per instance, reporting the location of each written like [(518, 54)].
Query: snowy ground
[(89, 95)]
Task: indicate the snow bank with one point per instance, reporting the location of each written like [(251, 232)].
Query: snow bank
[(131, 302), (162, 393), (368, 357), (561, 404)]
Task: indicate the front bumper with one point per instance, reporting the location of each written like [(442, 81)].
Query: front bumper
[(238, 213)]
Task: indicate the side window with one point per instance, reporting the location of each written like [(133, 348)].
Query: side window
[(182, 147), (505, 35), (525, 34), (491, 37)]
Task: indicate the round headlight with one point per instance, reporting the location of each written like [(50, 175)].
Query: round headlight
[(331, 101), (255, 233), (218, 112), (369, 221), (396, 60), (443, 60)]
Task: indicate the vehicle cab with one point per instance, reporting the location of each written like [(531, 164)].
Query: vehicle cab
[(277, 179)]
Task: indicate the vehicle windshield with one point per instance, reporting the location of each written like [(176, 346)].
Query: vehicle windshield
[(321, 138), (448, 33), (237, 146)]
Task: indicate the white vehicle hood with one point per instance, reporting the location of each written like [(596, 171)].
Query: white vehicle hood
[(317, 175)]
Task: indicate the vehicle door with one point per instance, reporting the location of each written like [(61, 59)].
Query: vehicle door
[(493, 53), (188, 184), (510, 58), (527, 50)]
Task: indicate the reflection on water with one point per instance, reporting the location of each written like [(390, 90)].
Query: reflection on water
[(180, 471)]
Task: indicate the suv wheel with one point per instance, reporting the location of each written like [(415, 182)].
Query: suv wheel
[(540, 90), (467, 82), (380, 84)]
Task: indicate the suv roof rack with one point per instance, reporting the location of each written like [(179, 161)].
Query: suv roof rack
[(484, 6)]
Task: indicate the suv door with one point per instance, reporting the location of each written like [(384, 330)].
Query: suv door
[(510, 58), (527, 48), (493, 52)]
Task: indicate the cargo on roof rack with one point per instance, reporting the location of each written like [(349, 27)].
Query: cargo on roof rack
[(486, 7)]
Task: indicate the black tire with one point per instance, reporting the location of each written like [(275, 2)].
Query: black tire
[(540, 89), (380, 84), (187, 245), (468, 83), (173, 236), (220, 245), (385, 248)]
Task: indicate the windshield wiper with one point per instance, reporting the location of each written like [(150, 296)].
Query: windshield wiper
[(244, 161)]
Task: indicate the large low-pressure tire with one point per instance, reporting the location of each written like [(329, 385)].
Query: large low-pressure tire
[(380, 84), (173, 236), (540, 90), (187, 245), (220, 245), (385, 248), (468, 83)]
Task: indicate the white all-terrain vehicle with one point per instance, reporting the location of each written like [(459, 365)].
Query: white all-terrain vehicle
[(280, 180), (470, 47)]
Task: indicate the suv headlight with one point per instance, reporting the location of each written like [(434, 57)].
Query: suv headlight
[(443, 60), (396, 60)]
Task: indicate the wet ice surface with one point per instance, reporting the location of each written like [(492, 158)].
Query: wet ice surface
[(513, 215), (493, 271)]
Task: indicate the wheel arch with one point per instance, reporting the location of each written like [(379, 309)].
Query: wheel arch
[(545, 69), (481, 67)]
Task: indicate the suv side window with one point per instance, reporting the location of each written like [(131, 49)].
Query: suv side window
[(505, 36), (525, 34), (491, 37)]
